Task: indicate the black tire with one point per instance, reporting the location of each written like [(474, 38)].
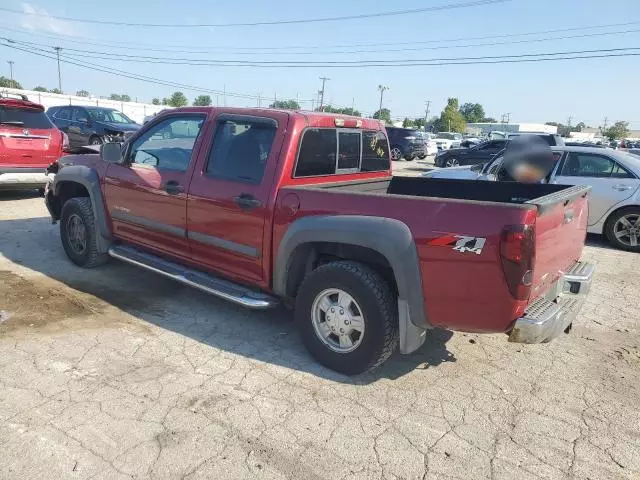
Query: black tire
[(422, 157), (379, 310), (451, 162), (80, 210), (95, 140), (409, 158), (609, 229)]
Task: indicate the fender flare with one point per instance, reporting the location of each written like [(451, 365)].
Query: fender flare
[(389, 237), (90, 180)]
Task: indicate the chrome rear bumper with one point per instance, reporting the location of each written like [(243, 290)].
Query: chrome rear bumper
[(546, 318)]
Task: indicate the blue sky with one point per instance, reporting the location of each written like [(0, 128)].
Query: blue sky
[(588, 90)]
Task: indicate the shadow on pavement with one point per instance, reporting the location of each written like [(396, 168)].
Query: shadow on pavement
[(267, 336), (6, 195), (599, 241)]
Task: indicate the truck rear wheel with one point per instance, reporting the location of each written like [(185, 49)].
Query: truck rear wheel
[(78, 233), (347, 316)]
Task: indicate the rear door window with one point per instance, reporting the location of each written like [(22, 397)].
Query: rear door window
[(63, 114), (241, 149), (24, 118), (329, 151)]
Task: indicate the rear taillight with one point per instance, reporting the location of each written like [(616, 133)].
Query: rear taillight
[(65, 141), (518, 251)]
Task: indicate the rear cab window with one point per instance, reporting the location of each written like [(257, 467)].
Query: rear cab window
[(335, 151), (24, 117)]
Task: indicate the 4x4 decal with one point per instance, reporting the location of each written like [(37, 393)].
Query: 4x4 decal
[(460, 243)]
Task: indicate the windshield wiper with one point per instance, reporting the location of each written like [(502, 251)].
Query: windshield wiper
[(12, 122)]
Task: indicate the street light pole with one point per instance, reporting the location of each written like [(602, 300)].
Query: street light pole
[(57, 49), (382, 88), (426, 115), (11, 62)]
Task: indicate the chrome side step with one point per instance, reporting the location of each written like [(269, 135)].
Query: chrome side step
[(203, 281)]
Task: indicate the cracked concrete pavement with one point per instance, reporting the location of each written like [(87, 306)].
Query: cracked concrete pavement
[(116, 373)]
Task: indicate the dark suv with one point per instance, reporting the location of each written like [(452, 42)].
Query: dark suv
[(92, 125), (405, 143), (477, 154)]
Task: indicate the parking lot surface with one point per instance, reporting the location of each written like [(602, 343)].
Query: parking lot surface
[(116, 373)]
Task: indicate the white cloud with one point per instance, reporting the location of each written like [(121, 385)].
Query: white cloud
[(38, 19)]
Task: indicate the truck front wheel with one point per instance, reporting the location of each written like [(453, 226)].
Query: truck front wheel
[(78, 233), (347, 316)]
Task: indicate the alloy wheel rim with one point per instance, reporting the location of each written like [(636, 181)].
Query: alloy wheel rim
[(77, 234), (627, 230), (338, 320)]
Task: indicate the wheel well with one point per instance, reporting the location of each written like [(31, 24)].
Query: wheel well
[(66, 191), (309, 256)]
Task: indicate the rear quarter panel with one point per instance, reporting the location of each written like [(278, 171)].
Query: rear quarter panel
[(462, 291)]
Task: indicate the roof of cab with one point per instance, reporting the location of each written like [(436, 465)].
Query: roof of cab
[(312, 118)]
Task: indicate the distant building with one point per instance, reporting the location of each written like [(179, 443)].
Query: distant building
[(485, 128)]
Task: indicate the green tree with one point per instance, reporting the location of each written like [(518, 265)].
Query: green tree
[(8, 83), (155, 101), (580, 126), (286, 104), (408, 123), (451, 120), (177, 100), (40, 89), (202, 101), (384, 114), (56, 90), (341, 110), (120, 97), (617, 130), (165, 101), (419, 122), (488, 120), (472, 112), (82, 93)]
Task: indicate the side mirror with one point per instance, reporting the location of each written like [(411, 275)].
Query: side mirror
[(111, 153)]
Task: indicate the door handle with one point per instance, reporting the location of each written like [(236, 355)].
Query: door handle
[(173, 188), (622, 188), (247, 201)]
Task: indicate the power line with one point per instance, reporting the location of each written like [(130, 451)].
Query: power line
[(333, 63), (451, 6), (134, 76), (275, 50), (537, 57)]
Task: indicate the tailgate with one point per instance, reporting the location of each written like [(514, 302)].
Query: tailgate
[(561, 229)]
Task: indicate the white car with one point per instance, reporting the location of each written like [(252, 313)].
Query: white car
[(447, 140), (614, 177)]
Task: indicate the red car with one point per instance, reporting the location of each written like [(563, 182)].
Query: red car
[(29, 143), (258, 206)]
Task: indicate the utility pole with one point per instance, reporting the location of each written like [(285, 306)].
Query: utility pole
[(259, 99), (426, 114), (57, 49), (382, 88), (604, 125), (569, 120), (324, 80), (508, 115), (224, 94), (11, 62)]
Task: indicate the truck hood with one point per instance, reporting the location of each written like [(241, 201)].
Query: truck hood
[(457, 173)]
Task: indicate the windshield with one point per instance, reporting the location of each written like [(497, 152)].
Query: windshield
[(23, 118), (110, 116)]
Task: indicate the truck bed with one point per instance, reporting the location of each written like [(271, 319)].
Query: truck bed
[(544, 196)]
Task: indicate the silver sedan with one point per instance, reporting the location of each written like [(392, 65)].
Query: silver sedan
[(614, 175)]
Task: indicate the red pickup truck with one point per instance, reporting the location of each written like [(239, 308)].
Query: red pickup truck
[(263, 206)]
